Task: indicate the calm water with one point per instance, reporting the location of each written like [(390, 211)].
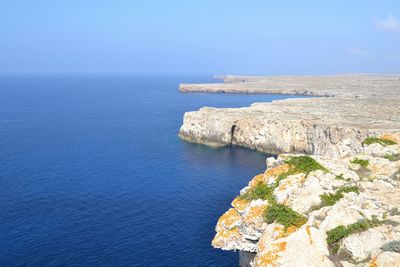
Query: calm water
[(92, 173)]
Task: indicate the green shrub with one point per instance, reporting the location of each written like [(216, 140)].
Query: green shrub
[(336, 234), (341, 231), (304, 164), (392, 246), (331, 199), (362, 162), (260, 191), (392, 157), (383, 142), (284, 215), (340, 177)]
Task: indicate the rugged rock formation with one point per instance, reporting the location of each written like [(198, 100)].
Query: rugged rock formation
[(320, 211), (339, 207), (319, 126)]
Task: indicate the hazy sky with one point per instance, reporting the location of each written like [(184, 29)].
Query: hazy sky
[(203, 36)]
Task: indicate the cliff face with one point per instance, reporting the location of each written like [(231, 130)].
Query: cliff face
[(319, 126), (319, 211)]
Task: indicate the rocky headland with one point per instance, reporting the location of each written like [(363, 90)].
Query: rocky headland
[(332, 196)]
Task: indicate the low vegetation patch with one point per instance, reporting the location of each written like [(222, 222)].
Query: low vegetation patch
[(340, 177), (304, 164), (331, 199), (392, 157), (381, 141), (340, 232), (392, 246), (260, 191), (362, 162), (284, 215)]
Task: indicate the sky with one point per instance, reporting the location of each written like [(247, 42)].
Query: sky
[(200, 37)]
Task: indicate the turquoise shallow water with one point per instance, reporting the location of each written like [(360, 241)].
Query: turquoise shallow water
[(92, 172)]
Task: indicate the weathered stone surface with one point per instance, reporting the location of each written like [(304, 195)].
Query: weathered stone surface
[(360, 246), (302, 247), (387, 259), (244, 228)]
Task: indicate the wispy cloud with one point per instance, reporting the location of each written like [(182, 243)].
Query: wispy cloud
[(389, 24), (357, 51)]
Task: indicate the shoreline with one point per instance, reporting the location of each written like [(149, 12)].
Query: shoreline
[(337, 207)]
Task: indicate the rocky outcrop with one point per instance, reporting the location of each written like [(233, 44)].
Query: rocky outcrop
[(318, 126), (320, 211)]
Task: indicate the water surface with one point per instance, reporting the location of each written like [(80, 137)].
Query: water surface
[(92, 172)]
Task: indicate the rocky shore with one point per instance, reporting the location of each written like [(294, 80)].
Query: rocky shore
[(332, 196)]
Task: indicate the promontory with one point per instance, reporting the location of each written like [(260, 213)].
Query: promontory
[(331, 197)]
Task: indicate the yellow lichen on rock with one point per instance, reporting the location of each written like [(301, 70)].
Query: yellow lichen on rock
[(373, 263), (268, 175), (229, 220), (240, 204), (395, 137), (225, 237), (261, 178), (274, 172), (297, 179), (269, 258), (309, 234), (255, 214)]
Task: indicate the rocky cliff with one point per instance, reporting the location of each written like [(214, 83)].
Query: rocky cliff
[(333, 198), (319, 126), (319, 211)]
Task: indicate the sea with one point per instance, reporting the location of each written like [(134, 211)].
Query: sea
[(93, 173)]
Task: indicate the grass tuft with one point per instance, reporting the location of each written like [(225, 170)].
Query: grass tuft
[(260, 191), (331, 199), (340, 177), (362, 162), (340, 232), (304, 164), (392, 157), (381, 141), (284, 215)]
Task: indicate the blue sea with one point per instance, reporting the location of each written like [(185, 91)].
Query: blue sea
[(93, 173)]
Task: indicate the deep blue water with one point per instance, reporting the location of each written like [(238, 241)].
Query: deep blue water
[(92, 172)]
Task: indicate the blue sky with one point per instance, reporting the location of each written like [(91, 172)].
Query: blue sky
[(204, 36)]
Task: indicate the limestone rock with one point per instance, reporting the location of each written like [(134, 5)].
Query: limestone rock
[(304, 247), (387, 259)]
